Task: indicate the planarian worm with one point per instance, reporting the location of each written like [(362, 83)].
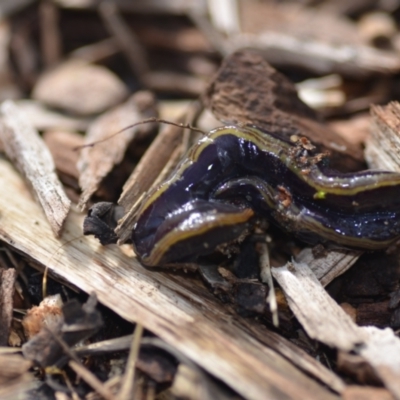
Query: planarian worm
[(235, 176)]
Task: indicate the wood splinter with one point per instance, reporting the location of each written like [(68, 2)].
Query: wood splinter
[(31, 157)]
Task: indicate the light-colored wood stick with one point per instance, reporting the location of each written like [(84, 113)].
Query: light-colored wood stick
[(324, 320), (32, 158)]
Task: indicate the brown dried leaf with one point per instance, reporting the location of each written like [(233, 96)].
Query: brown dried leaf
[(80, 88)]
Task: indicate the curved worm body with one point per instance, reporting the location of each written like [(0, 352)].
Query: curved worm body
[(236, 175)]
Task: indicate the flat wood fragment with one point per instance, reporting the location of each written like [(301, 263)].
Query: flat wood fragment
[(318, 313), (383, 146), (32, 158), (96, 162), (7, 287), (177, 309), (324, 320), (329, 265)]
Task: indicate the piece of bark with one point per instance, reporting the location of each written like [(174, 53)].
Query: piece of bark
[(80, 88), (96, 162), (7, 287), (176, 308), (247, 90), (383, 146), (32, 158), (328, 265), (324, 320), (321, 42)]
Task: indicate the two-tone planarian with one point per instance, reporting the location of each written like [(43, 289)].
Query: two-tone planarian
[(235, 177)]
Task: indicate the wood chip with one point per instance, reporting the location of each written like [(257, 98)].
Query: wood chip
[(337, 329), (96, 162), (80, 88), (176, 308), (330, 264), (383, 146), (32, 158), (324, 320), (7, 287)]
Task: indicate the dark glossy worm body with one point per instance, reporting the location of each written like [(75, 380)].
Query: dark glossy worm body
[(236, 175)]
